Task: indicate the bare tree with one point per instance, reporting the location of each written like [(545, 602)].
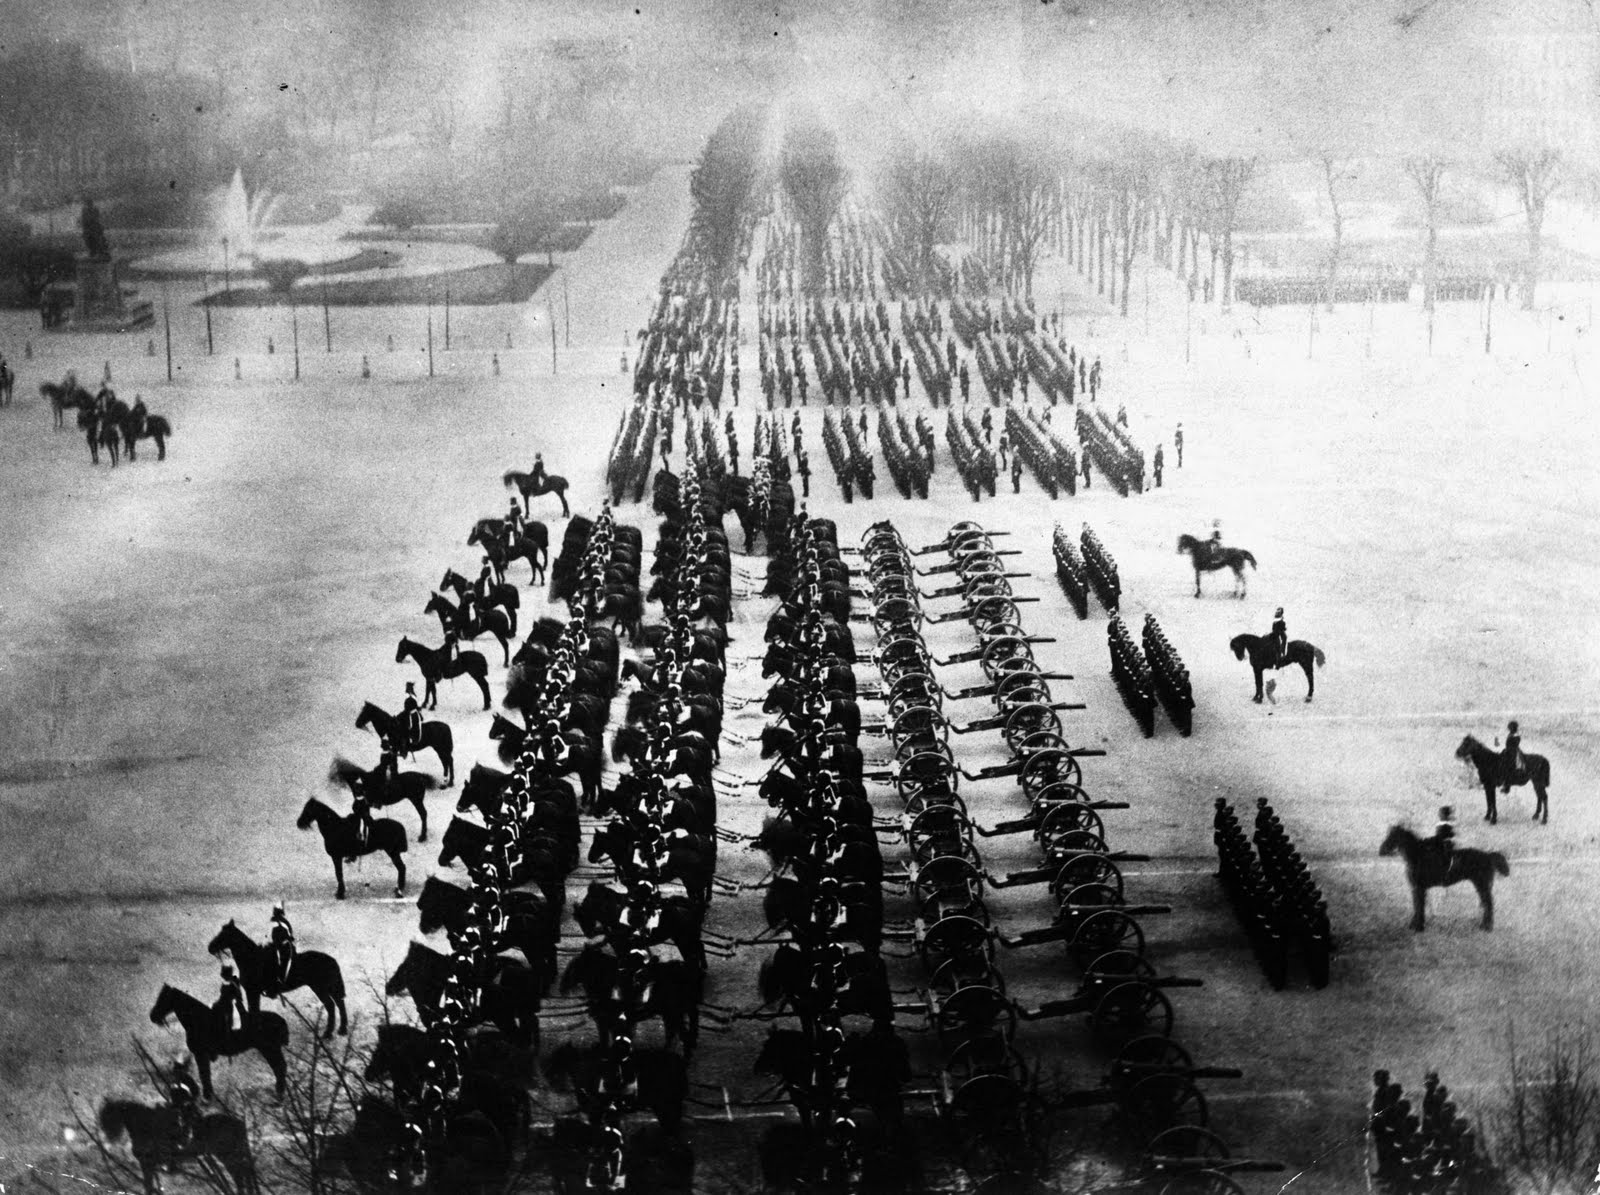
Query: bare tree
[(1226, 179), (1026, 195), (814, 181), (723, 186), (1427, 173), (1549, 1128), (1132, 194), (1334, 176), (918, 191), (1535, 172)]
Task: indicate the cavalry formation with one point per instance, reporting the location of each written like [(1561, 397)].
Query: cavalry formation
[(108, 424)]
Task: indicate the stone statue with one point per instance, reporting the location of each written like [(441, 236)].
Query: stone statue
[(94, 232)]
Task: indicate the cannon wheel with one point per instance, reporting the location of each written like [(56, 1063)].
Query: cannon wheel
[(980, 1007), (994, 609), (1029, 678), (946, 871), (1120, 965), (1025, 721), (921, 800), (1132, 1007), (960, 936), (915, 719), (1005, 647), (1044, 768), (1084, 867), (956, 973), (934, 820), (1106, 929), (1078, 841), (924, 768), (1161, 1101), (1067, 818), (898, 610)]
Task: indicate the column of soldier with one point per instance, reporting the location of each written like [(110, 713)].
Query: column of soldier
[(1436, 1152), (1170, 676), (1272, 916), (1113, 450), (974, 458), (1051, 460), (818, 927), (476, 942)]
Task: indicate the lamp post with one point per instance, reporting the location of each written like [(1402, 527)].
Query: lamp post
[(227, 274)]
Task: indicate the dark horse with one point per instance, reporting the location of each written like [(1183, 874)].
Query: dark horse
[(1263, 651), (436, 736), (662, 1075), (155, 1137), (1208, 559), (381, 791), (258, 974), (340, 840), (265, 1032), (63, 400), (1425, 868), (1492, 772), (489, 622), (508, 995), (531, 485), (674, 990), (154, 427), (501, 594), (436, 666)]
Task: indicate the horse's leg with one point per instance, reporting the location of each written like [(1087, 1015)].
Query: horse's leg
[(161, 448), (1257, 697), (1419, 900), (1311, 681), (400, 873), (1485, 887), (338, 874), (1197, 582), (422, 813), (430, 693), (203, 1061), (1492, 816), (566, 511), (280, 1072), (484, 685)]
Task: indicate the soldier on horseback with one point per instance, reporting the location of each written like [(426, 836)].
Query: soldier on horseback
[(137, 415), (183, 1096), (1280, 635), (282, 942), (361, 811), (410, 731), (1512, 769), (229, 1008), (1444, 836)]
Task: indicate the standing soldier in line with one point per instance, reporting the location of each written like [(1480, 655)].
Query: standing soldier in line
[(803, 467), (987, 423), (1016, 473), (966, 382), (1094, 381), (1004, 447), (1177, 443), (1158, 462), (733, 451)]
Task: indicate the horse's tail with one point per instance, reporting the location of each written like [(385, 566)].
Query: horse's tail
[(1320, 657), (157, 425), (1500, 864), (1243, 555), (112, 1119)]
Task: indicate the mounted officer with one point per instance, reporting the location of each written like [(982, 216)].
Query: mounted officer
[(138, 414), (1512, 768), (229, 1008), (1444, 836), (281, 938), (514, 521), (183, 1096), (1280, 635), (410, 731), (361, 810)]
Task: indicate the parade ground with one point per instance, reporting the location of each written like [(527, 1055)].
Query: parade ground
[(187, 644)]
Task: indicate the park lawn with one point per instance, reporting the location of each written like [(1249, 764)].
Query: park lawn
[(475, 286)]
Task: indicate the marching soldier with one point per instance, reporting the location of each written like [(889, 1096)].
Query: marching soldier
[(1177, 443)]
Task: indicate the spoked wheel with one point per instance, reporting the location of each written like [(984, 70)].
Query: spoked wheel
[(1202, 1182), (1130, 1008), (1079, 842), (1161, 1101), (975, 1009), (956, 973), (936, 820), (1152, 1054), (914, 720), (922, 744), (898, 610), (912, 689), (997, 608), (1027, 720), (1006, 647), (1047, 767), (1064, 819), (1083, 867), (1028, 680), (924, 768), (955, 937), (919, 800), (1106, 929), (948, 864)]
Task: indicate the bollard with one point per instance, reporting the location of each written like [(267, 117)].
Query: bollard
[(624, 362), (391, 343), (236, 369), (495, 357), (149, 348), (27, 350), (366, 370), (271, 348), (108, 373), (508, 341)]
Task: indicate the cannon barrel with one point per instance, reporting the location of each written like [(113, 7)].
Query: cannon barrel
[(1019, 826), (1254, 1165), (1034, 875)]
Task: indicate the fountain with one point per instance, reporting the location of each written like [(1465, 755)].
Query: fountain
[(241, 219)]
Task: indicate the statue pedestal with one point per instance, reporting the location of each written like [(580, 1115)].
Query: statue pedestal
[(99, 303)]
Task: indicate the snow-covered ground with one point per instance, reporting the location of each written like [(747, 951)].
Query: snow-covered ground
[(187, 645)]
